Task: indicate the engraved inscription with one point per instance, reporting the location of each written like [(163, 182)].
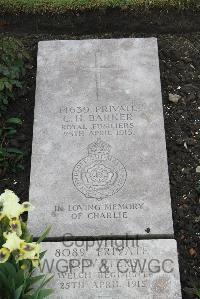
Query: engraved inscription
[(114, 269), (99, 121), (99, 175)]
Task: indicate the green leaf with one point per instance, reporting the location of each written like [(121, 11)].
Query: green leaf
[(8, 85), (28, 296), (1, 85), (4, 280), (19, 278), (13, 150), (45, 293), (42, 254), (10, 269), (46, 281), (197, 292), (14, 120), (40, 289), (2, 151), (17, 83), (44, 235), (20, 166), (18, 292), (34, 279), (9, 128), (5, 101), (12, 132)]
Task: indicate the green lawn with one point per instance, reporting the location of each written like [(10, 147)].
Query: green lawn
[(64, 5)]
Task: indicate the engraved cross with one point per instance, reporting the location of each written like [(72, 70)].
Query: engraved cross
[(98, 72)]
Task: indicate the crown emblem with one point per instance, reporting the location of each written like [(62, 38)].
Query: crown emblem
[(99, 175), (99, 147)]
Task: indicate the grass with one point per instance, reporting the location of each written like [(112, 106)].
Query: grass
[(59, 6)]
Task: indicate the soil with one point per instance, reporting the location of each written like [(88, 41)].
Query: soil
[(180, 74), (79, 22)]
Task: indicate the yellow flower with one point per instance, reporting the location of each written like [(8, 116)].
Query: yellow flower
[(13, 242), (30, 251), (4, 255), (36, 263), (24, 266), (11, 206), (15, 226), (27, 207), (1, 216)]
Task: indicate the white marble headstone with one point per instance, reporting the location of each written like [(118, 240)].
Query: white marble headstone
[(113, 269), (99, 163)]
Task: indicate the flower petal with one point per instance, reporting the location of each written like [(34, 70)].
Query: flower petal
[(36, 263), (27, 206), (15, 226), (29, 251), (4, 255), (8, 195), (13, 242), (1, 216), (12, 209)]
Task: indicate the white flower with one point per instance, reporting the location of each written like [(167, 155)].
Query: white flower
[(8, 194), (13, 242), (11, 207)]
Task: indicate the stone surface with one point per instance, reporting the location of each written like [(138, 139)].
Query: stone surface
[(113, 269), (198, 169), (174, 98), (99, 163)]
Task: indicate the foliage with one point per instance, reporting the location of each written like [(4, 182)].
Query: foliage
[(12, 69), (198, 187), (10, 157), (194, 289), (60, 6), (19, 255)]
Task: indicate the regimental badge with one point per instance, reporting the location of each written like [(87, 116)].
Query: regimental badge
[(99, 175)]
